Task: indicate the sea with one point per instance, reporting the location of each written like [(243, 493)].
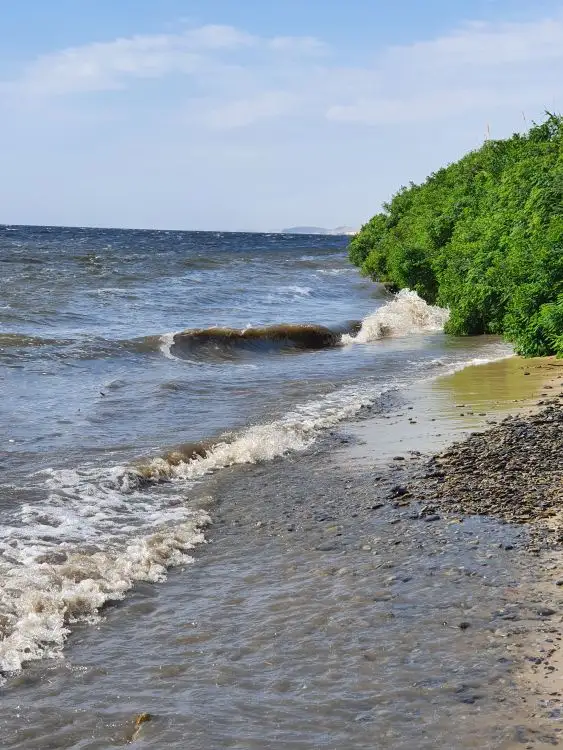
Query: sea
[(170, 403)]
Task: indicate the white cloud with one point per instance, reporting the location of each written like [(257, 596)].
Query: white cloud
[(433, 106), (241, 78), (103, 66), (215, 127), (241, 112), (482, 45), (481, 67), (306, 45)]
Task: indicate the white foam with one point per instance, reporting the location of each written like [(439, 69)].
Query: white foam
[(504, 352), (405, 314), (498, 352), (87, 543), (117, 525), (294, 432), (166, 343), (299, 291), (41, 599), (102, 529)]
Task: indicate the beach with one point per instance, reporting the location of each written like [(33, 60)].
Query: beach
[(497, 433), (219, 524), (328, 606)]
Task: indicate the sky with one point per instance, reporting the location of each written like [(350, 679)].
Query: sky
[(248, 115)]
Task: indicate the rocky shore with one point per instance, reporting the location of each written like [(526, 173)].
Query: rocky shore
[(512, 471)]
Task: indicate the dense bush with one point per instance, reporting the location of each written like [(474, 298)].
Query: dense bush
[(484, 237)]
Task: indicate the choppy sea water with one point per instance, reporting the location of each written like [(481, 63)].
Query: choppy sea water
[(139, 370)]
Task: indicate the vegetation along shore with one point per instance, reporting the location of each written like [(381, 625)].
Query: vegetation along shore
[(483, 237)]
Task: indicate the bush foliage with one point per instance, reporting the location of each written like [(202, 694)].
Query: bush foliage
[(483, 237)]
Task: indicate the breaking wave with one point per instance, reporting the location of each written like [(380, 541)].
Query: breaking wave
[(280, 337), (41, 599), (16, 340), (405, 314), (87, 543), (102, 529)]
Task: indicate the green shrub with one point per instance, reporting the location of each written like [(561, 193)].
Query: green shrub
[(484, 237)]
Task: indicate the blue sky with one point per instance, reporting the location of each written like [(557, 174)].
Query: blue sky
[(247, 115)]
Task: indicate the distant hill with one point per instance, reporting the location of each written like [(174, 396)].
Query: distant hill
[(319, 230)]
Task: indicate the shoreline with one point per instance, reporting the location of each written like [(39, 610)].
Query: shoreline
[(441, 410), (532, 632), (321, 582), (509, 468), (483, 442), (530, 628), (513, 471)]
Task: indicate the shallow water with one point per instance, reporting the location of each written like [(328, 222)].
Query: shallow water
[(121, 351), (310, 620), (150, 389), (443, 409)]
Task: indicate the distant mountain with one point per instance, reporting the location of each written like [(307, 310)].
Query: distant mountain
[(319, 230)]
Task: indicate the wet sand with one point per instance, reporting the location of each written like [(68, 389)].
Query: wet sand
[(436, 412)]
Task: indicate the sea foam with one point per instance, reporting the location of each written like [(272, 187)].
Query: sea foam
[(405, 314), (102, 529)]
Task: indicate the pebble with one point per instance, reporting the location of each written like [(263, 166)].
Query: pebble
[(512, 471), (546, 612)]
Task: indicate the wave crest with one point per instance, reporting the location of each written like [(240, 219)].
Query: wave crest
[(282, 336), (405, 314)]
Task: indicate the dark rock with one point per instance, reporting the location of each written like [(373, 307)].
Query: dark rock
[(399, 491), (512, 471), (53, 558), (546, 612)]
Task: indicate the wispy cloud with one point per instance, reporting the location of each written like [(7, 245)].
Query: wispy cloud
[(106, 66), (243, 78), (479, 67), (241, 112), (215, 126), (103, 66), (307, 45), (483, 44)]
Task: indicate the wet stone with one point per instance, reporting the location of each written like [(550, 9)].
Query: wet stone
[(546, 612)]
